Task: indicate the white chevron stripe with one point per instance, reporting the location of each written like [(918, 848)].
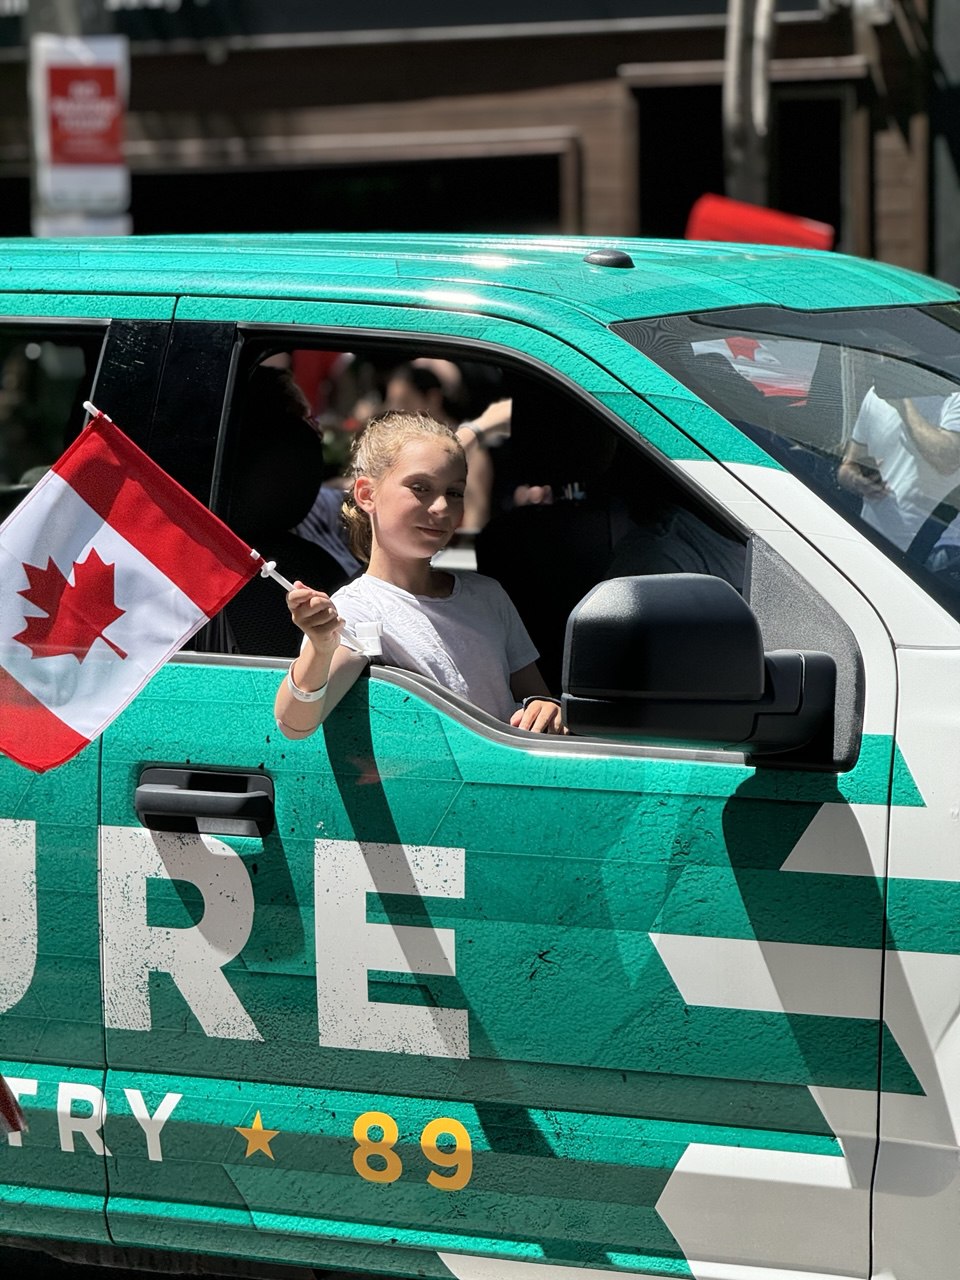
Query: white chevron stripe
[(842, 840), (469, 1267), (782, 977), (743, 1207)]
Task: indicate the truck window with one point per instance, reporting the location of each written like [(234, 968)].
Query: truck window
[(45, 375), (567, 499), (863, 406), (571, 497)]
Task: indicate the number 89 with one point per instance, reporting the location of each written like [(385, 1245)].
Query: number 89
[(460, 1159)]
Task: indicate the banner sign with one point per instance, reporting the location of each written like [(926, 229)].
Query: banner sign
[(78, 90), (85, 115)]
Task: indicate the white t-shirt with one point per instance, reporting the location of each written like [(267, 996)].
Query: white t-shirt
[(471, 641), (916, 487)]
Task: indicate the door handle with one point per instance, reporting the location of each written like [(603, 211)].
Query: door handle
[(205, 801)]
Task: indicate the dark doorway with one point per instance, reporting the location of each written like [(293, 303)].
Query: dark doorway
[(508, 194), (14, 206), (806, 158), (681, 154)]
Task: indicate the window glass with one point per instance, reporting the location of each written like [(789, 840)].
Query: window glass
[(556, 501), (863, 406), (44, 379)]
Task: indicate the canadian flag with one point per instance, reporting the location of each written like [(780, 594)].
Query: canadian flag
[(108, 566)]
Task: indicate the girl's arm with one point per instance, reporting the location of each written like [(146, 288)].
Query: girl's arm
[(541, 713), (323, 665)]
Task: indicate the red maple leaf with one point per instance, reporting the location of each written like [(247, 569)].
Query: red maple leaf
[(743, 348), (75, 615)]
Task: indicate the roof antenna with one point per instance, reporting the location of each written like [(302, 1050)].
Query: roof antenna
[(608, 258)]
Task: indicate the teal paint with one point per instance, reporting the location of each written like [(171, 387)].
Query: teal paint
[(571, 861), (90, 303), (44, 1189), (667, 277), (60, 1016)]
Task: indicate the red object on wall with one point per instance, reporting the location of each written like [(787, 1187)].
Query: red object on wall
[(86, 115), (719, 218)]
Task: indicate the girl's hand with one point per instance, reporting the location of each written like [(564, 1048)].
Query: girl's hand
[(538, 717), (316, 616)]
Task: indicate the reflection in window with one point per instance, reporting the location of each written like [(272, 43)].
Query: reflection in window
[(42, 385), (863, 406)]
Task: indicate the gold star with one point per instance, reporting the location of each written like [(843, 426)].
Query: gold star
[(257, 1137)]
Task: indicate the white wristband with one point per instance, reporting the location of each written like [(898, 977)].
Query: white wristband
[(302, 695)]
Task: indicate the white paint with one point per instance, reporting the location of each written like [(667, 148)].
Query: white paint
[(917, 1197), (922, 1011), (842, 840), (796, 503), (470, 1267), (348, 947), (747, 1208), (20, 1088), (925, 840), (917, 1214), (18, 909), (194, 956), (88, 1126), (912, 616), (467, 1266), (722, 484), (724, 1271), (780, 977), (152, 1124)]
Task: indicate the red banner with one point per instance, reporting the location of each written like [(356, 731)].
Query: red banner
[(719, 218)]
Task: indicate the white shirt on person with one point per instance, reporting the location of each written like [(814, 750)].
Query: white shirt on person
[(915, 486), (470, 641)]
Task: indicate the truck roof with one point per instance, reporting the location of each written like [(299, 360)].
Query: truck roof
[(657, 276)]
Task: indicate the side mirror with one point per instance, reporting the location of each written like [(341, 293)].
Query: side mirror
[(680, 657)]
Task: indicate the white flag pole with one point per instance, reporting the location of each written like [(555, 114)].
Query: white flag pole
[(93, 411), (269, 570), (368, 642)]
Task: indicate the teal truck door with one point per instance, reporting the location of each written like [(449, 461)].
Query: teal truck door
[(451, 1000), (55, 353), (602, 1007)]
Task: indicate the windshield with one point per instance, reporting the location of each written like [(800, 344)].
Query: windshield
[(863, 406)]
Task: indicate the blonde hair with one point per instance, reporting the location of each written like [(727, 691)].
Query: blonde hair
[(374, 453)]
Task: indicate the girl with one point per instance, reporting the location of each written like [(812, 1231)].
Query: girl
[(408, 474)]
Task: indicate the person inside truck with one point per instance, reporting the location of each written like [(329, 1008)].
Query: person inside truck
[(277, 467), (437, 388), (902, 460), (408, 476)]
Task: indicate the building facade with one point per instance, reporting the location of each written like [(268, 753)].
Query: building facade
[(515, 117)]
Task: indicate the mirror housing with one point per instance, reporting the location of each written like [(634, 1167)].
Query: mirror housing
[(680, 657)]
